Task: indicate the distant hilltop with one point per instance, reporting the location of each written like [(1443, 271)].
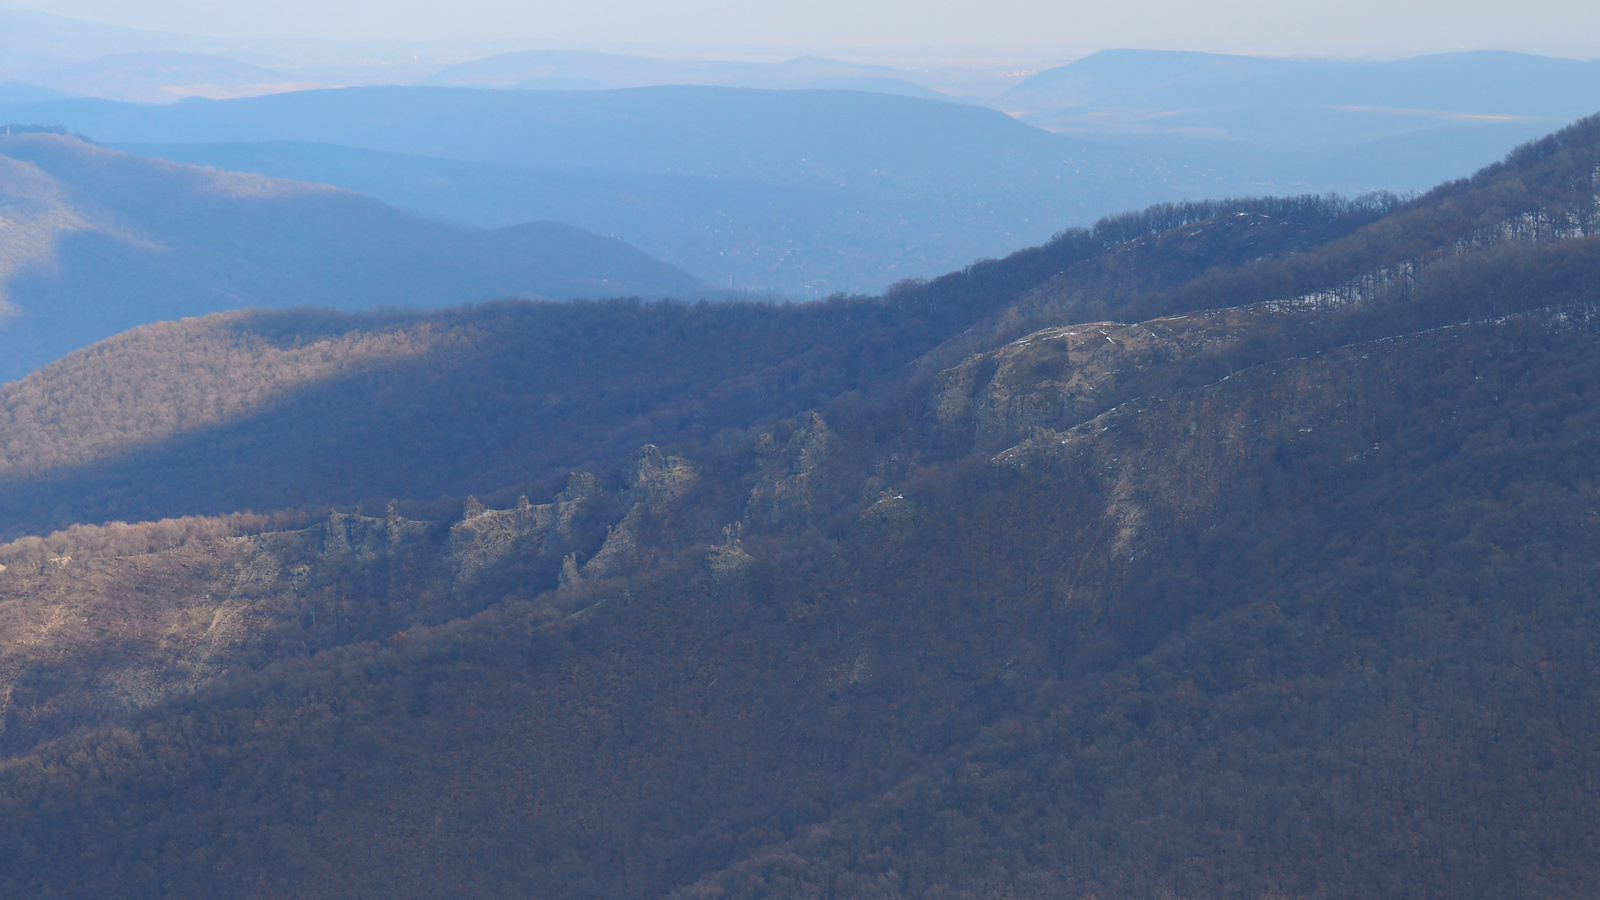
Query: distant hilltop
[(100, 241)]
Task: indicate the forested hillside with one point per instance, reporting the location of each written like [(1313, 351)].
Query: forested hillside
[(1231, 549), (100, 241), (266, 411), (367, 408)]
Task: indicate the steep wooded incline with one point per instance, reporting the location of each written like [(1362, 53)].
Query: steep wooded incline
[(1291, 597), (263, 411), (150, 424)]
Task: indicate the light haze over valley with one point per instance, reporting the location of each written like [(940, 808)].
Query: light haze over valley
[(802, 193)]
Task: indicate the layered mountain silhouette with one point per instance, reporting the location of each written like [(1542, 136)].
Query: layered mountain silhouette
[(1227, 548), (1352, 124), (1479, 82), (101, 60), (804, 192), (580, 70), (809, 192), (1234, 124), (166, 77), (99, 241)]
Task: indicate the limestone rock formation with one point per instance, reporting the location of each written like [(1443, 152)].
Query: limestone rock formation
[(1059, 377), (728, 562), (123, 632), (485, 537), (785, 488), (655, 482)]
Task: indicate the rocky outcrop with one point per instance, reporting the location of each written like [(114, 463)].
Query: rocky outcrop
[(1058, 377), (82, 640), (890, 506), (348, 537), (485, 538), (655, 482), (784, 489), (728, 563), (100, 636)]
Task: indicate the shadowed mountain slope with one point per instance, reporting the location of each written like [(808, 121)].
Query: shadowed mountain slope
[(1285, 587), (100, 241)]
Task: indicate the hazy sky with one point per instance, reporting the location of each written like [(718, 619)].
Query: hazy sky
[(1566, 27)]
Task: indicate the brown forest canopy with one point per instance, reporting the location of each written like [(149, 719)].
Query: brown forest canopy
[(1281, 586)]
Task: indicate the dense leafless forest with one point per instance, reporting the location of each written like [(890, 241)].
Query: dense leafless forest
[(1222, 549)]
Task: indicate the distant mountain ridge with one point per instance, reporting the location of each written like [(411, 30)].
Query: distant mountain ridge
[(1362, 124), (1246, 125), (1477, 82), (42, 44), (100, 241), (811, 192), (166, 77), (1486, 83), (578, 70), (802, 192)]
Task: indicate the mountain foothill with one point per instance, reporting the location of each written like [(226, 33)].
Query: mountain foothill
[(1231, 548)]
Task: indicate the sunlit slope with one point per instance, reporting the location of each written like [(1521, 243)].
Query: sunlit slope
[(100, 241), (267, 411)]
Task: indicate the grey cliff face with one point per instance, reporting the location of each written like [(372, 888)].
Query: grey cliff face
[(484, 537), (655, 482), (784, 490)]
